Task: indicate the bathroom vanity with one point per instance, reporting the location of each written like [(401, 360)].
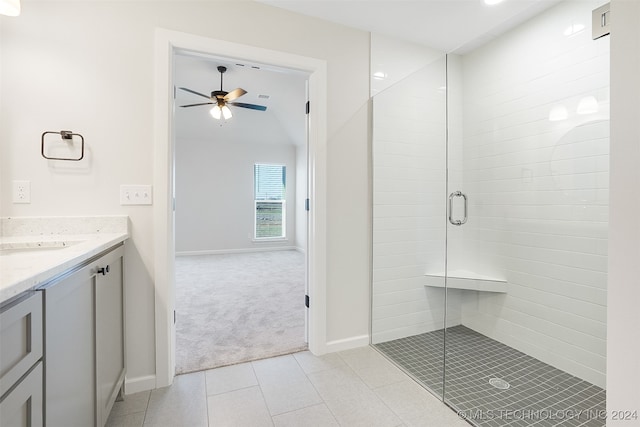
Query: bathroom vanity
[(21, 365), (62, 360)]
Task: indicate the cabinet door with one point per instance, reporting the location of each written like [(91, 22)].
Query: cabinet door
[(109, 332), (20, 339), (22, 407), (69, 351)]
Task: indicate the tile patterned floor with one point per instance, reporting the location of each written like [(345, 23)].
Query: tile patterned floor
[(352, 388), (538, 394)]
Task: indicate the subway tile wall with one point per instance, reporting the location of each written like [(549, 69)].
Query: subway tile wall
[(409, 181), (528, 143), (535, 168)]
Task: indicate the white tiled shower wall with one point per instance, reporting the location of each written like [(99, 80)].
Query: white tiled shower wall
[(538, 189), (538, 193), (409, 181)]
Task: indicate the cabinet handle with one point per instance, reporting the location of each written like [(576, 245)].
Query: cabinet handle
[(103, 270)]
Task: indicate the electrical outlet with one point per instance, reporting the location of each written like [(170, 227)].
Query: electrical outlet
[(21, 191), (136, 195)]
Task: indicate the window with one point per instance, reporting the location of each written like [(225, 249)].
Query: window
[(270, 204)]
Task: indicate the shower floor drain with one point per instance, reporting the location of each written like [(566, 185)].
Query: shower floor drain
[(499, 383)]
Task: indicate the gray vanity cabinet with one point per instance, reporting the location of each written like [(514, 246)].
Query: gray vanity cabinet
[(69, 353), (109, 306), (84, 343), (21, 353)]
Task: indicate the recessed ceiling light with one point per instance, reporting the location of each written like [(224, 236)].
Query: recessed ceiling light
[(492, 2)]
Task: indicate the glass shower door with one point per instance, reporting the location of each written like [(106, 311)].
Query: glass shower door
[(527, 224), (409, 203)]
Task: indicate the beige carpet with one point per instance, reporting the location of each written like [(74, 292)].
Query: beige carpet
[(238, 307)]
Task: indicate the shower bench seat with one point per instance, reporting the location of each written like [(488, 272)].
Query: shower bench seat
[(468, 280)]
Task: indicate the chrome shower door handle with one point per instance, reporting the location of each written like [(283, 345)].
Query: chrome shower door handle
[(451, 220), (464, 197)]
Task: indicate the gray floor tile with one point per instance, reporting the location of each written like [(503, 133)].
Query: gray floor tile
[(313, 416), (239, 408), (472, 361), (373, 368), (183, 404), (131, 403), (363, 409), (278, 371), (362, 357), (338, 383), (229, 378), (383, 374), (410, 401), (290, 397), (354, 388), (310, 363), (135, 419)]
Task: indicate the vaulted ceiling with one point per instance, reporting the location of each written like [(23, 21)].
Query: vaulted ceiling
[(282, 91)]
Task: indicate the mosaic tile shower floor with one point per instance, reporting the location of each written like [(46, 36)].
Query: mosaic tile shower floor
[(537, 394)]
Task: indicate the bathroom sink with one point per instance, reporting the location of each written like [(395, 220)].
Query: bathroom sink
[(34, 247)]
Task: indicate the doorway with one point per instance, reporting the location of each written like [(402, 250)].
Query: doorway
[(167, 44), (240, 221)]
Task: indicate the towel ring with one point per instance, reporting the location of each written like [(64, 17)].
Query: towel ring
[(66, 135)]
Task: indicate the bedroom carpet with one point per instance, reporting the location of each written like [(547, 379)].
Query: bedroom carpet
[(234, 308)]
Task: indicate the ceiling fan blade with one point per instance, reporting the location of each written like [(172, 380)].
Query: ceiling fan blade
[(195, 105), (236, 93), (195, 93), (249, 106)]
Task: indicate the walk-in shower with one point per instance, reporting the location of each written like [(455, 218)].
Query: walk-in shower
[(490, 215)]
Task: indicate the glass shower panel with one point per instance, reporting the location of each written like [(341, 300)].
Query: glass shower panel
[(528, 162), (409, 194)]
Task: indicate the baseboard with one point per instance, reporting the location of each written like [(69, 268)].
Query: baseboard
[(236, 251), (138, 384), (347, 343)]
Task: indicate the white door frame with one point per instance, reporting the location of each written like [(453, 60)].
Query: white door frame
[(166, 44)]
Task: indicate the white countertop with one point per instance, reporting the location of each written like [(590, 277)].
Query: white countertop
[(29, 260)]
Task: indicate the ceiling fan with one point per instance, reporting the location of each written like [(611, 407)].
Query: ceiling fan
[(220, 99)]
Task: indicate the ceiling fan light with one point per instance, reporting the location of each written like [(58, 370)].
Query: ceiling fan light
[(226, 112), (216, 112)]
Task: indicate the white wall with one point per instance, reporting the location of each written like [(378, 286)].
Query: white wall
[(538, 190), (88, 67), (214, 194), (623, 334)]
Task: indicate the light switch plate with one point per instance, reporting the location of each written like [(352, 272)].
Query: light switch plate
[(136, 195), (21, 191)]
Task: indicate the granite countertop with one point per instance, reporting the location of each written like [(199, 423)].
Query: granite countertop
[(34, 250)]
